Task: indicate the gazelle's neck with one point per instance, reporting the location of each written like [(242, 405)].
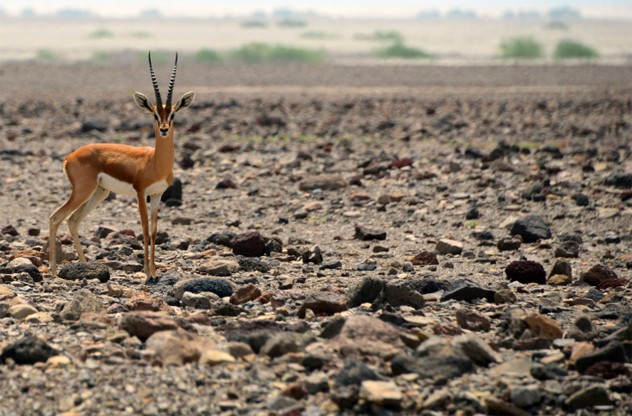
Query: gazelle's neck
[(164, 151)]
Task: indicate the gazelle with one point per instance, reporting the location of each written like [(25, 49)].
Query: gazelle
[(96, 169)]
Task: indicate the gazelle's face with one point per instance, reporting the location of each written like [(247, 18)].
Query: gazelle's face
[(164, 115), (163, 119)]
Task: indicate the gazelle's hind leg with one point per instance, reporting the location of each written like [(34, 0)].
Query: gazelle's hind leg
[(80, 214), (81, 192), (142, 207)]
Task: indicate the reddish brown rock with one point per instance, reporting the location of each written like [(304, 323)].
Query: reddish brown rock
[(144, 323), (472, 320), (144, 302), (598, 274), (244, 294), (326, 303), (365, 335), (425, 258), (250, 244)]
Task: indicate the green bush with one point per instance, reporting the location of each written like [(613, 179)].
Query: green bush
[(292, 23), (521, 48), (157, 57), (399, 50), (100, 34), (261, 52), (207, 55), (100, 57), (382, 36), (47, 55), (316, 35), (568, 49)]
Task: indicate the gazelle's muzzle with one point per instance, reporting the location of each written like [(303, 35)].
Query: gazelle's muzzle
[(164, 130)]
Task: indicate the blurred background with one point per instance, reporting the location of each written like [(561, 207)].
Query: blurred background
[(334, 31)]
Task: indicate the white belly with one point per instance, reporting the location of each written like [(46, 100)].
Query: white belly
[(114, 185)]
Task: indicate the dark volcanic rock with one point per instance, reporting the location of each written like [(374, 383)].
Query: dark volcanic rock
[(468, 292), (401, 292), (221, 287), (30, 269), (173, 191), (354, 372), (366, 233), (561, 267), (425, 258), (598, 274), (255, 334), (437, 361), (367, 290), (28, 350), (250, 244), (282, 343), (509, 243), (531, 228), (75, 271), (313, 255), (526, 271), (143, 324), (619, 180), (613, 352)]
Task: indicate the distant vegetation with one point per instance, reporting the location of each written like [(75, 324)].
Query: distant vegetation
[(207, 55), (292, 23), (381, 36), (140, 34), (399, 50), (47, 55), (100, 34), (262, 52), (100, 57), (157, 57), (568, 49), (556, 25), (317, 35), (521, 48)]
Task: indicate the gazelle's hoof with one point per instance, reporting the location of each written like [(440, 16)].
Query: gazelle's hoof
[(151, 281)]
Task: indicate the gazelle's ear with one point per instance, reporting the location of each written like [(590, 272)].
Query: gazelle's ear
[(184, 102), (143, 102)]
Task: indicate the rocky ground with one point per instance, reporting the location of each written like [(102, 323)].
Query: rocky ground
[(331, 251)]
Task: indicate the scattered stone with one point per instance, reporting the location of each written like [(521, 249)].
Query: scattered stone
[(496, 406), (383, 393), (525, 396), (366, 266), (84, 301), (613, 352), (402, 292), (598, 274), (447, 246), (77, 271), (531, 228), (322, 182), (28, 350), (476, 349), (435, 359), (6, 292), (9, 230), (425, 258), (468, 292), (282, 343), (144, 324), (504, 296), (363, 335), (472, 320), (544, 372), (215, 357), (559, 280), (178, 346), (330, 263), (250, 244), (596, 395), (22, 310), (313, 255), (526, 271), (368, 290), (195, 301), (365, 233), (239, 349), (326, 303), (509, 243), (542, 326), (220, 287), (355, 372), (219, 267), (245, 294)]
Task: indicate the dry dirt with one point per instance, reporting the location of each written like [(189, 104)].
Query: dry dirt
[(418, 154)]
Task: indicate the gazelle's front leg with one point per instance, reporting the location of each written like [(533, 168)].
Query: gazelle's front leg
[(154, 202), (142, 207)]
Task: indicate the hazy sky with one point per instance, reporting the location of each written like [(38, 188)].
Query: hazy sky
[(365, 8)]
